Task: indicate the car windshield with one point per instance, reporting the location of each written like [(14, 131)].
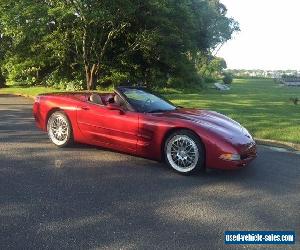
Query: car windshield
[(144, 101)]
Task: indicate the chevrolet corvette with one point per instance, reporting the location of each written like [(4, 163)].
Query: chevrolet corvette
[(136, 121)]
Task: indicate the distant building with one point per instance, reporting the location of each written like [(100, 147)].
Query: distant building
[(276, 74)]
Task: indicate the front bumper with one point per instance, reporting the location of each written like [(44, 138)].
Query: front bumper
[(247, 154), (237, 164)]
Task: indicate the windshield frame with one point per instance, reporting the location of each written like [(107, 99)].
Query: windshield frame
[(121, 89)]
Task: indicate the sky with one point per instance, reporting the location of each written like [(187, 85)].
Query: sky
[(269, 36)]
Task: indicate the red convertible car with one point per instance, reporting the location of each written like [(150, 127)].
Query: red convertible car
[(136, 121)]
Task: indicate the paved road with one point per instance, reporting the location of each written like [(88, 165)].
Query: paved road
[(87, 198)]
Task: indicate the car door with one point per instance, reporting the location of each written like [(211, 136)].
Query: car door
[(108, 128)]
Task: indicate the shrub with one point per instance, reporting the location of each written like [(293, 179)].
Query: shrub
[(227, 79), (294, 100)]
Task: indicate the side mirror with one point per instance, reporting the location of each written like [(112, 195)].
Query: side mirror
[(112, 106)]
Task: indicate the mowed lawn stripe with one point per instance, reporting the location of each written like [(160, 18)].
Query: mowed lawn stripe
[(261, 105)]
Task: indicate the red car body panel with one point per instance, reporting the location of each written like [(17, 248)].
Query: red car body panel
[(144, 134)]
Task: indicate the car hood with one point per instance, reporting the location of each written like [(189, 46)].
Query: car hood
[(218, 123)]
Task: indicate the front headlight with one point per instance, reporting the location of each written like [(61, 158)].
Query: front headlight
[(230, 157)]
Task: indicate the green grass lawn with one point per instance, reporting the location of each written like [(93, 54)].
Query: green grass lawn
[(260, 105), (30, 92)]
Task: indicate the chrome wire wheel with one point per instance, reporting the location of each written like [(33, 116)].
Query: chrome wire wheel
[(182, 153), (58, 129)]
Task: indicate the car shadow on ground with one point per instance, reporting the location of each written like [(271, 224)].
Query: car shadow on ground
[(125, 202)]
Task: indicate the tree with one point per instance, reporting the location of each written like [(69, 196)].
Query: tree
[(90, 28), (210, 67), (150, 41), (23, 26), (4, 45)]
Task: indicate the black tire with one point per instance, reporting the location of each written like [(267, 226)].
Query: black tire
[(176, 156), (60, 121)]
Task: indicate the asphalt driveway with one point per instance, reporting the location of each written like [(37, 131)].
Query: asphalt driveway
[(86, 198)]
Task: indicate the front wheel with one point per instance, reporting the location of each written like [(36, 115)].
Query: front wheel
[(184, 152), (59, 129)]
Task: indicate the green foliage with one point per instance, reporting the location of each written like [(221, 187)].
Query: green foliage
[(294, 100), (114, 78), (227, 79), (156, 43), (184, 76), (210, 67)]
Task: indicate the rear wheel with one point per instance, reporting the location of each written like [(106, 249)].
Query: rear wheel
[(59, 129), (184, 152)]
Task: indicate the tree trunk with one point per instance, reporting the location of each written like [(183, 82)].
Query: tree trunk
[(91, 74)]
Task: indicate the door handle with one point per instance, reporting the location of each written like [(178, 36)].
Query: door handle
[(84, 108)]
